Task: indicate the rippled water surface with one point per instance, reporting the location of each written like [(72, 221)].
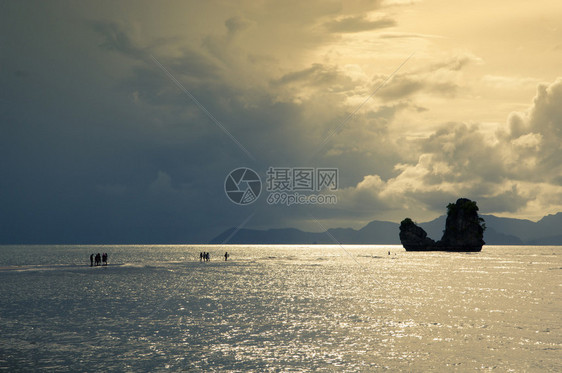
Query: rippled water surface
[(280, 308)]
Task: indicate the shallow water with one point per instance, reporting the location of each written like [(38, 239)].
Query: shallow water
[(280, 308)]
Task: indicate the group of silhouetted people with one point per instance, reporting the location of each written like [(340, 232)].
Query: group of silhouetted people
[(98, 259), (205, 256)]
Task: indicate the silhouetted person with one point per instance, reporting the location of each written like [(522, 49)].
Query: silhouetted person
[(226, 256), (98, 259), (201, 256), (91, 260), (207, 256), (104, 259)]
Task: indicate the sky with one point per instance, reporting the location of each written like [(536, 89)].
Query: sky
[(120, 120)]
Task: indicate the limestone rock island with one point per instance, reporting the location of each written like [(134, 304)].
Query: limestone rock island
[(464, 230)]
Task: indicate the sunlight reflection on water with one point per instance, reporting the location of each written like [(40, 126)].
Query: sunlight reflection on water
[(273, 308)]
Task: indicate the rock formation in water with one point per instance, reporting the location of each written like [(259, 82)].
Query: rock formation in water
[(464, 230), (414, 238)]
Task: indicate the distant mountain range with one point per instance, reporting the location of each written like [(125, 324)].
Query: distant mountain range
[(500, 231)]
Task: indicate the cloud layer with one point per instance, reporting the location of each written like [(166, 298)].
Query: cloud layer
[(100, 144), (516, 169)]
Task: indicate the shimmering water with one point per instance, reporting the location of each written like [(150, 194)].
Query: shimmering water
[(280, 308)]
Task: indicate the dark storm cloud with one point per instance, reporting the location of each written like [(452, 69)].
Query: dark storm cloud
[(101, 151), (273, 130), (278, 132), (190, 63), (116, 39)]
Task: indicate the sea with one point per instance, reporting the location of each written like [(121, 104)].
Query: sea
[(280, 308)]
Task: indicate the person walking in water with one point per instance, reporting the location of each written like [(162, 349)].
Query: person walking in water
[(226, 256), (91, 260)]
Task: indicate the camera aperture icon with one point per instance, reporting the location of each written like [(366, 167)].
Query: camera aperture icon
[(242, 186)]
